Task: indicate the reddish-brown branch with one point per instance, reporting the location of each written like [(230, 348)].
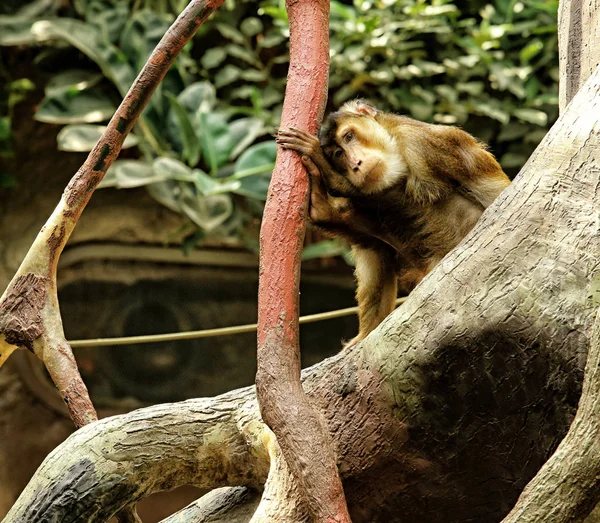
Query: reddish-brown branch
[(301, 431), (29, 312)]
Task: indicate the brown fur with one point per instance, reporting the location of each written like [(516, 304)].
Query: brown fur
[(403, 193)]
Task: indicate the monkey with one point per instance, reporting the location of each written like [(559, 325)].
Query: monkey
[(401, 192)]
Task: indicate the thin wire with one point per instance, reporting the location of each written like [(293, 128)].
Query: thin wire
[(208, 333)]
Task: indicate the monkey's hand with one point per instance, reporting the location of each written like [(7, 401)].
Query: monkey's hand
[(301, 142)]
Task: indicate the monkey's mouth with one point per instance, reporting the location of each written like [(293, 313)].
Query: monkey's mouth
[(372, 170)]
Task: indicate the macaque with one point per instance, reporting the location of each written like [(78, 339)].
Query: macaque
[(401, 192)]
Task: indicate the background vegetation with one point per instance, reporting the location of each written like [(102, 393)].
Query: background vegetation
[(203, 146)]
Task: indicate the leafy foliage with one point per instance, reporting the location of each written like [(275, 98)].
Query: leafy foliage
[(489, 66)]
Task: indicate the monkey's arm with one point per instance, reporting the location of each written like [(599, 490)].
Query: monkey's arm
[(339, 216), (308, 145)]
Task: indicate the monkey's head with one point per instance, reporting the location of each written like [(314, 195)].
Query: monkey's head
[(359, 146)]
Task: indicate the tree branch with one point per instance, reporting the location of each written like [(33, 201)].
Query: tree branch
[(300, 430), (221, 505), (578, 45), (29, 310), (443, 413), (567, 487), (107, 465)]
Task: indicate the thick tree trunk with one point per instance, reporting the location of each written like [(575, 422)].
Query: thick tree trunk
[(443, 414), (579, 45)]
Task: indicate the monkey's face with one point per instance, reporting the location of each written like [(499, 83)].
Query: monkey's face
[(359, 147)]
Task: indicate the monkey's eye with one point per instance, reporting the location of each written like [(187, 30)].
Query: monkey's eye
[(338, 153), (348, 137)]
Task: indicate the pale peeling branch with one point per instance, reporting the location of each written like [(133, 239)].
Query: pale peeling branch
[(282, 500), (29, 311), (107, 465), (578, 45), (221, 505), (447, 409)]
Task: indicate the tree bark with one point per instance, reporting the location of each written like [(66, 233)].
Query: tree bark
[(221, 505), (303, 461), (578, 45), (566, 488), (443, 414)]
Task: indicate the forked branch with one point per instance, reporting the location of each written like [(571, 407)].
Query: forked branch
[(29, 309)]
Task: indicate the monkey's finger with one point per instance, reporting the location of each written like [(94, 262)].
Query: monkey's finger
[(294, 145), (297, 133), (310, 166)]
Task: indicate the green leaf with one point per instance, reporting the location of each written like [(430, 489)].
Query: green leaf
[(75, 107), (204, 183), (109, 21), (530, 51), (34, 10), (141, 35), (125, 174), (5, 126), (72, 80), (200, 97), (238, 51), (243, 132), (251, 26), (209, 186), (208, 212), (253, 168), (253, 75), (513, 131), (83, 138), (215, 140), (16, 31), (89, 41), (271, 39), (227, 75), (213, 57), (171, 169), (166, 193), (191, 241), (491, 110), (231, 33), (191, 143), (532, 116)]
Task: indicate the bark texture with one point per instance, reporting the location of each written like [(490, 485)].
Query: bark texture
[(566, 489), (301, 432), (221, 505), (443, 414), (207, 443), (579, 45)]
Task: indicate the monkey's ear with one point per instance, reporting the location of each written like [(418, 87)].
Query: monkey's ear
[(359, 107)]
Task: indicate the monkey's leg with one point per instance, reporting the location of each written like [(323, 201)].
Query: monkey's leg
[(408, 278), (377, 288)]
